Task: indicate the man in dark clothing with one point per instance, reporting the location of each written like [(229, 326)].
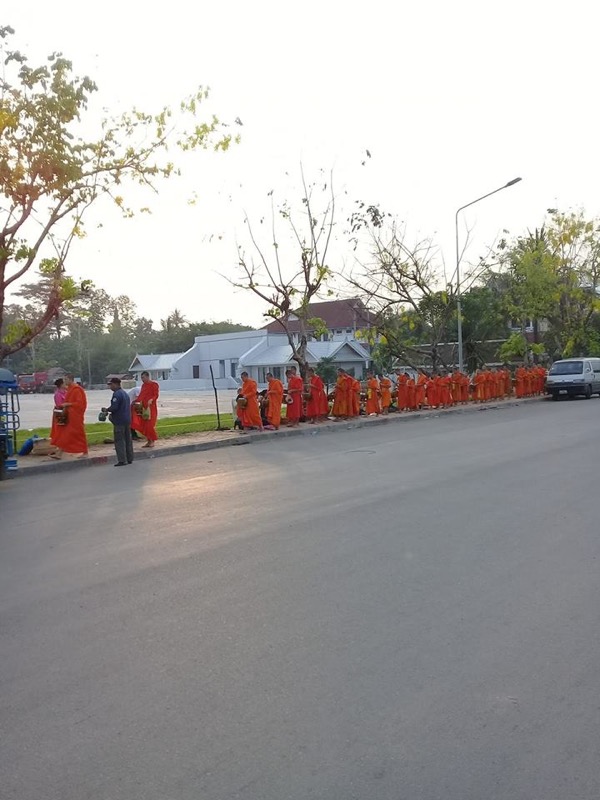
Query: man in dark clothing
[(120, 416)]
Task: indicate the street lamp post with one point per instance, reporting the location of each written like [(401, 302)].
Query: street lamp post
[(458, 304)]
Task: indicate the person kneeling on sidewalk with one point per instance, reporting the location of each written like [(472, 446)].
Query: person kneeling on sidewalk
[(120, 416)]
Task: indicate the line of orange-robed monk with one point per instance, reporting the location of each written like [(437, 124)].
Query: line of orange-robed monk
[(351, 397)]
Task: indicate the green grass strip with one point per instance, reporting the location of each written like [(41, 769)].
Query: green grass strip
[(166, 427)]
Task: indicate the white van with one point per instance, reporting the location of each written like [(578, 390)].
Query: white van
[(573, 376)]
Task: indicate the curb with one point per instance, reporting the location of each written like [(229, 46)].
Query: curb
[(266, 436)]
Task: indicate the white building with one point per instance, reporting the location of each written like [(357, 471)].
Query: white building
[(159, 366), (274, 354), (191, 370), (263, 350)]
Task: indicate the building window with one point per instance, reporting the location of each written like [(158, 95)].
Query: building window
[(262, 374), (348, 330), (276, 373), (196, 371), (325, 337), (222, 368), (234, 364)]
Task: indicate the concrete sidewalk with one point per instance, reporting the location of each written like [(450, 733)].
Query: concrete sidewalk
[(195, 442)]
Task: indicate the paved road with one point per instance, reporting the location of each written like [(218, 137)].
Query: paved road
[(407, 613)]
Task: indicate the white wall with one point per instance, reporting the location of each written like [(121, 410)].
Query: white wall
[(211, 350), (197, 385)]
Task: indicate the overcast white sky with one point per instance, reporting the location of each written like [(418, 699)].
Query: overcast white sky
[(451, 98)]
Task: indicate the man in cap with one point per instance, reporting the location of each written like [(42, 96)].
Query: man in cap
[(120, 416)]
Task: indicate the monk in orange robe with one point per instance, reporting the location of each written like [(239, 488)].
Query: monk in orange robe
[(295, 389), (353, 397), (401, 391), (249, 412), (275, 400), (411, 389), (385, 386), (520, 381), (323, 399), (500, 382), (479, 381), (465, 382), (455, 387), (421, 389), (487, 384), (70, 438), (508, 382), (373, 406), (542, 380), (445, 391), (494, 384), (341, 399), (433, 392), (148, 403), (314, 405)]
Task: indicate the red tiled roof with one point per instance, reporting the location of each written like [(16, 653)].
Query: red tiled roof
[(340, 314)]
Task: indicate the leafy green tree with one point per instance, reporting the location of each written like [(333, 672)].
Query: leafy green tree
[(484, 318), (552, 277), (575, 244), (51, 174)]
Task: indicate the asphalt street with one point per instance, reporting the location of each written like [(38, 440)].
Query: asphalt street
[(407, 612)]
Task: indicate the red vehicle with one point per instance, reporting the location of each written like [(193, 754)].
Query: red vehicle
[(38, 382)]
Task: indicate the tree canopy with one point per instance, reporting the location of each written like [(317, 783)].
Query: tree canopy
[(52, 172)]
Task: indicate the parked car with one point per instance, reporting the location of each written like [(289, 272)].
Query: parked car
[(574, 376)]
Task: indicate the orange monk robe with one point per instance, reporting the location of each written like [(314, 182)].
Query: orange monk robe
[(71, 437), (520, 382), (373, 404), (340, 399), (385, 386), (500, 384), (445, 392), (542, 376), (487, 385), (355, 389), (433, 393), (480, 382), (315, 406), (323, 400), (250, 413), (464, 383), (420, 390), (455, 386), (275, 398), (402, 393), (147, 427), (295, 389), (411, 400)]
